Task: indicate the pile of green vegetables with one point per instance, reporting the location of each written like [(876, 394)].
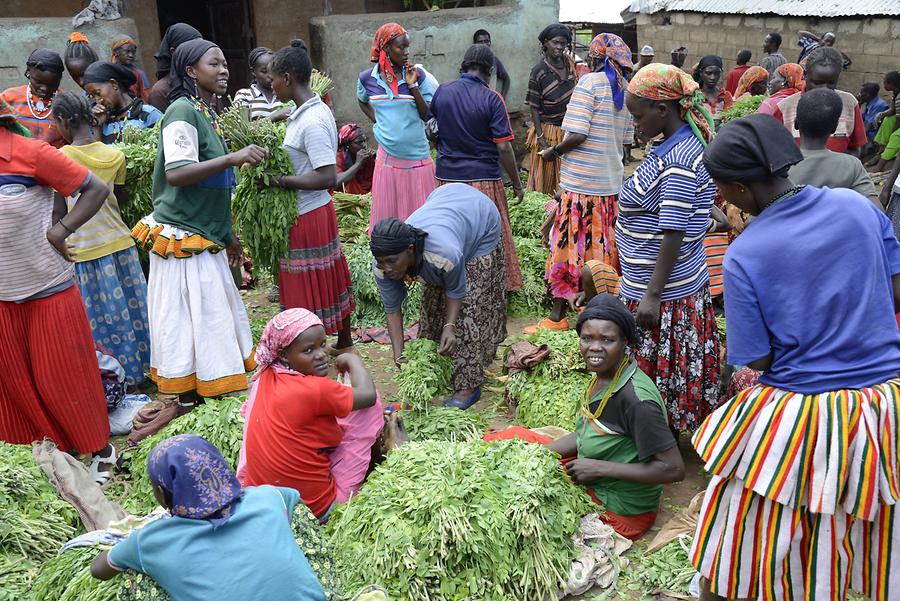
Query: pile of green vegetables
[(444, 423), (550, 393), (369, 308), (352, 214), (320, 83), (424, 375), (525, 220), (67, 577), (741, 108), (139, 147), (667, 570), (461, 520), (527, 217)]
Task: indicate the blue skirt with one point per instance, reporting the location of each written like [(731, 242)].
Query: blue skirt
[(114, 292)]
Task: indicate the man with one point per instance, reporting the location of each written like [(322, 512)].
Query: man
[(678, 56), (773, 58), (482, 36), (734, 76), (646, 58), (809, 41), (871, 105)]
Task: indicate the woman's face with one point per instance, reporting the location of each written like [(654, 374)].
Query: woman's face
[(758, 88), (395, 267), (649, 116), (358, 144), (281, 85), (211, 72), (555, 47), (107, 94), (602, 346), (777, 83), (125, 54), (306, 354), (76, 68), (398, 50), (44, 83), (739, 195), (710, 76), (261, 72)]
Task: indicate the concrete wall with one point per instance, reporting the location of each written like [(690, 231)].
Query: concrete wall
[(22, 35), (277, 22), (873, 44)]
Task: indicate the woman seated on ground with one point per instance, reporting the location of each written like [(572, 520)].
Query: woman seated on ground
[(204, 551), (623, 450), (110, 85), (355, 161), (304, 430)]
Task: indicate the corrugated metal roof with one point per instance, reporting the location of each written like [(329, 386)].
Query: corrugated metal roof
[(788, 8)]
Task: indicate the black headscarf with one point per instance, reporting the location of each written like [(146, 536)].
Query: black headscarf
[(186, 55), (710, 60), (751, 149), (44, 59), (175, 36), (555, 30), (391, 236), (609, 308), (103, 71)]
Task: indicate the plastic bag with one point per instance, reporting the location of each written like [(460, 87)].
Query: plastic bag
[(121, 418), (683, 523)]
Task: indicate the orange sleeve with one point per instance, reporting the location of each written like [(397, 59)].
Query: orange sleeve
[(56, 170), (334, 398)]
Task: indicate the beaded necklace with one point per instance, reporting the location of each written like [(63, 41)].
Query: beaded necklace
[(39, 106), (604, 400), (207, 111), (784, 196)]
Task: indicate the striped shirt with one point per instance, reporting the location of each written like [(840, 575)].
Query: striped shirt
[(595, 167), (670, 190), (255, 100), (311, 142), (41, 129), (548, 93)]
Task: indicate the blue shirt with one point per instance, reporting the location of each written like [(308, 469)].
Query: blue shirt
[(472, 120), (810, 280), (143, 116), (670, 190), (398, 128), (251, 556), (873, 107), (462, 224)]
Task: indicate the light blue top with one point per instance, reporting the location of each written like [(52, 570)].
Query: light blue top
[(145, 117)]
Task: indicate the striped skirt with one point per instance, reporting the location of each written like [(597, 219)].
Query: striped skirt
[(543, 176), (314, 276), (399, 186), (583, 230), (715, 246), (803, 497)]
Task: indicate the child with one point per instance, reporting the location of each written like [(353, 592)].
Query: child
[(107, 270), (78, 57), (818, 113), (871, 105), (33, 102), (124, 50), (887, 140), (116, 108), (259, 98)]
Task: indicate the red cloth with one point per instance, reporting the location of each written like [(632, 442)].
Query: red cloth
[(386, 34), (42, 129), (734, 76), (629, 526), (362, 183), (291, 432), (517, 432), (138, 90), (32, 158), (50, 382), (857, 139)]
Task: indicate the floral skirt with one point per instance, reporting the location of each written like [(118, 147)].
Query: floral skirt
[(543, 176), (583, 230), (681, 355)]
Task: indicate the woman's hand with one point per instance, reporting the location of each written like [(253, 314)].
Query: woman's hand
[(411, 75), (269, 181), (364, 155), (100, 114), (346, 362), (251, 155), (721, 224), (281, 114), (448, 340), (582, 471), (549, 153), (578, 302), (235, 251), (648, 312), (56, 236)]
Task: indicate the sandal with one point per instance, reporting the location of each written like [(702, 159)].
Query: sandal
[(101, 477), (547, 324), (464, 404)]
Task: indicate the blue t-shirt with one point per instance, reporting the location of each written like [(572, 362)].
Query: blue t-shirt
[(142, 117), (810, 280), (472, 120), (398, 128), (251, 556), (462, 224)]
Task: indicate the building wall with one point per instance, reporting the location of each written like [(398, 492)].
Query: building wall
[(873, 44), (277, 22)]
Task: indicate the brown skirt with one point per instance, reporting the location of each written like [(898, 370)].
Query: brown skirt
[(543, 176)]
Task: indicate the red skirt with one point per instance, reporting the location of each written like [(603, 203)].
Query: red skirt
[(314, 275), (49, 378)]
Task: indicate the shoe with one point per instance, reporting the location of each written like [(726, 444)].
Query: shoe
[(464, 403), (548, 324), (102, 477)]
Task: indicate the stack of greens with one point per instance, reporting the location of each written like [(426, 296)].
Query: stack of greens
[(320, 83), (139, 147), (444, 423), (425, 374), (741, 108), (67, 577), (667, 570), (526, 219), (549, 394), (352, 214), (461, 520), (369, 308)]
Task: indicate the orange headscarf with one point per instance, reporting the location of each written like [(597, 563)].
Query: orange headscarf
[(77, 36), (386, 34), (667, 82), (751, 76), (793, 76), (118, 42)]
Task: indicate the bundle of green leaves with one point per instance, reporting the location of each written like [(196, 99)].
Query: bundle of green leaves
[(669, 569), (461, 520), (532, 298), (444, 423), (352, 214), (67, 577), (741, 108), (369, 308), (139, 147), (424, 375), (527, 217)]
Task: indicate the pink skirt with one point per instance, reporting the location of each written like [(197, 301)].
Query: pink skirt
[(399, 186)]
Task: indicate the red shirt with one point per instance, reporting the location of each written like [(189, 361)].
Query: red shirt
[(856, 139), (292, 431), (32, 162), (734, 76), (41, 128), (362, 183)]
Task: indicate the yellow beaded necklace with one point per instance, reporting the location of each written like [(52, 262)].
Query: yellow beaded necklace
[(606, 395)]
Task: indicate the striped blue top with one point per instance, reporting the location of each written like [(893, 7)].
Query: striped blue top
[(670, 190)]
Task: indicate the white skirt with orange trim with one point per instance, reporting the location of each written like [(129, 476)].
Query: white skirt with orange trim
[(167, 241), (802, 504)]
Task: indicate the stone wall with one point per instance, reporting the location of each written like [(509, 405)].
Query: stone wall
[(873, 44)]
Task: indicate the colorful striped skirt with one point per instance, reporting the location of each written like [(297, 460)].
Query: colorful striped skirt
[(49, 378), (543, 176), (493, 189), (399, 186), (715, 246), (583, 229), (314, 276), (114, 292), (681, 355), (802, 504)]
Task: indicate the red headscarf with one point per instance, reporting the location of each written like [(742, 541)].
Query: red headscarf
[(751, 76), (386, 34), (118, 42)]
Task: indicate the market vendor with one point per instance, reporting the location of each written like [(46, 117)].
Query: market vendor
[(622, 447), (355, 161), (452, 245)]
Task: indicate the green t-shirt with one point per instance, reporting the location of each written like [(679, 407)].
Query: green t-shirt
[(187, 136), (632, 428)]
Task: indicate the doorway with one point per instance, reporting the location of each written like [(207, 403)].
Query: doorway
[(228, 23)]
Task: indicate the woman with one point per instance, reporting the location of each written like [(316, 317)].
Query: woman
[(597, 127), (355, 163), (452, 245), (786, 81), (622, 450), (32, 103), (752, 83), (802, 503), (175, 35), (664, 213), (200, 341), (550, 86), (78, 57), (107, 269), (395, 96), (314, 275), (707, 73), (305, 430), (124, 51), (203, 551), (49, 384), (110, 87), (475, 136), (259, 98)]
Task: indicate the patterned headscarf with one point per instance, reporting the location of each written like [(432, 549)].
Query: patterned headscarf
[(793, 76), (616, 56), (386, 34), (118, 42), (751, 76), (10, 120), (667, 82), (194, 473), (280, 332), (347, 134)]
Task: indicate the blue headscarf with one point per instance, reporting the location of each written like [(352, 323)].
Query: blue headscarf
[(616, 60), (202, 485)]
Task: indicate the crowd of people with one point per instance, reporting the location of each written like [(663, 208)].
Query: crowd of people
[(770, 219)]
